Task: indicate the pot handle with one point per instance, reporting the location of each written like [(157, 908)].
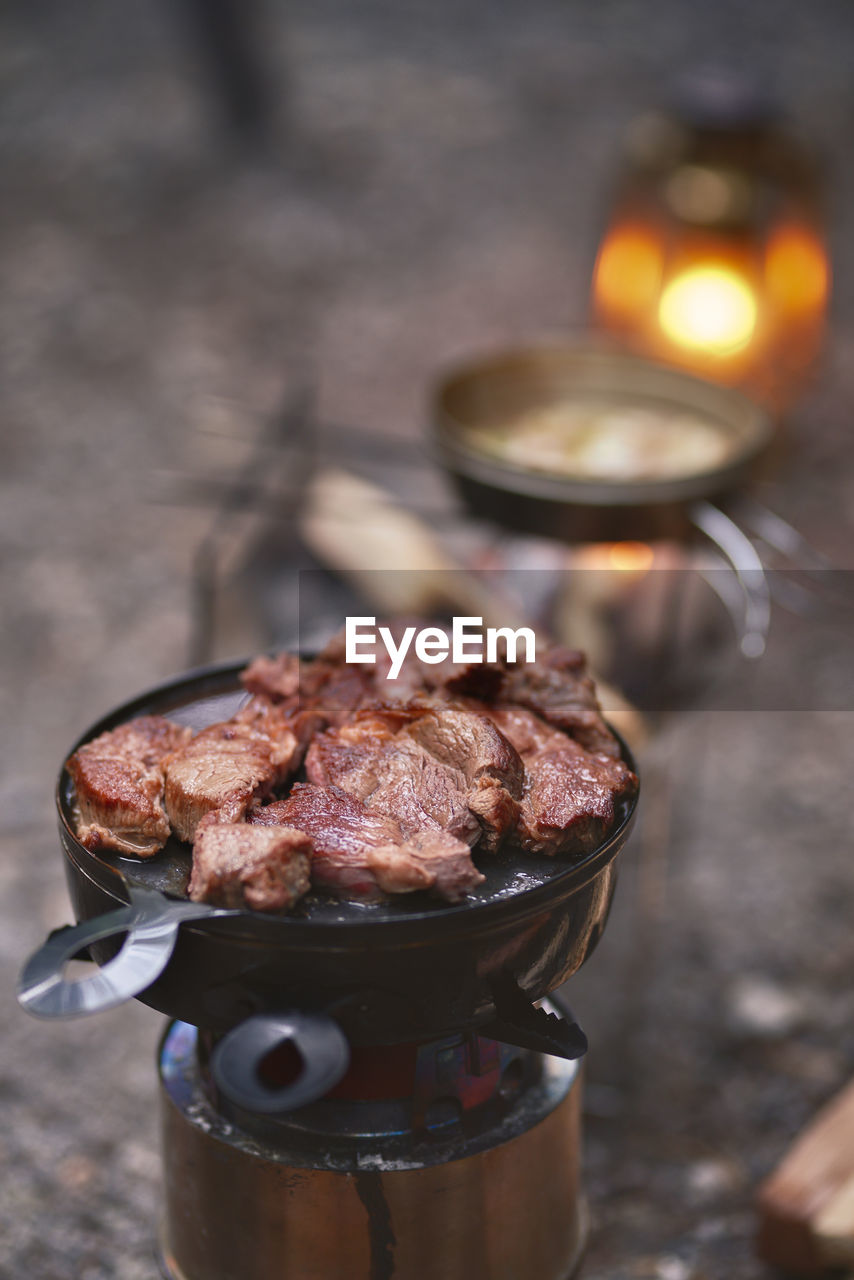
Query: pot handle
[(737, 548), (151, 923), (238, 1059)]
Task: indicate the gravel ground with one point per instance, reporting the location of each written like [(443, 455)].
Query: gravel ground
[(433, 183)]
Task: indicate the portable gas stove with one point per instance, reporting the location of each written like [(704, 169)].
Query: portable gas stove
[(354, 1091), (454, 1158)]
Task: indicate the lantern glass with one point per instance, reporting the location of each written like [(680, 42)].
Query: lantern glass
[(714, 256)]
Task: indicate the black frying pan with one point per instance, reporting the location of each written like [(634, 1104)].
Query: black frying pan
[(408, 969)]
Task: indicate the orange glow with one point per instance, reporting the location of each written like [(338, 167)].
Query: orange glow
[(709, 308), (796, 270), (631, 557), (624, 557), (628, 271)]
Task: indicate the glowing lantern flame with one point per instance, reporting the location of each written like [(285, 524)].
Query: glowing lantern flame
[(708, 308), (628, 271), (796, 270)]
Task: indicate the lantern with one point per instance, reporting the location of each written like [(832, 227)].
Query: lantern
[(714, 255)]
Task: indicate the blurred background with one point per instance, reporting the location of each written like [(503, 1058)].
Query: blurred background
[(228, 245)]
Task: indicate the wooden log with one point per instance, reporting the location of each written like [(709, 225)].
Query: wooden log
[(806, 1206)]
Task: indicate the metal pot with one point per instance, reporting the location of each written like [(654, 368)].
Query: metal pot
[(404, 970), (502, 387)]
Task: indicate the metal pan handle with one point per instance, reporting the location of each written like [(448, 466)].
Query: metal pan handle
[(151, 923), (749, 571), (237, 1062)]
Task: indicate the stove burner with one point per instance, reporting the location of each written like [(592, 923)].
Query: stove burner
[(412, 1098), (457, 1157)]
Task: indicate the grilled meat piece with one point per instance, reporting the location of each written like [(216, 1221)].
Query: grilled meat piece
[(496, 810), (428, 764), (334, 693), (361, 854), (228, 765), (319, 693), (275, 678), (470, 742), (351, 757), (391, 774), (570, 794), (466, 740), (118, 783), (557, 688), (278, 723), (237, 865), (423, 794)]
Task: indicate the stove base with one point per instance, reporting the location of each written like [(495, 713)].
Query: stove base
[(239, 1209)]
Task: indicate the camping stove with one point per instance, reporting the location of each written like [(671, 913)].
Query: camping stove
[(352, 1091), (454, 1158)]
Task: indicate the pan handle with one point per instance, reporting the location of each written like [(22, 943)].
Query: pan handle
[(749, 571), (322, 1058), (151, 923)]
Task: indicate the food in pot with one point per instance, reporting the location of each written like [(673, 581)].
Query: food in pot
[(238, 865), (570, 795), (597, 440), (407, 780), (558, 689), (227, 766), (118, 785), (359, 853), (393, 773)]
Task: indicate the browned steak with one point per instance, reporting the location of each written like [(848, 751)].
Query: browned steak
[(556, 686), (466, 740), (496, 810), (118, 784), (469, 741), (569, 799), (332, 689), (237, 865), (558, 689), (386, 768), (428, 764), (361, 854), (228, 765), (276, 678), (423, 794), (314, 694), (350, 757), (286, 729)]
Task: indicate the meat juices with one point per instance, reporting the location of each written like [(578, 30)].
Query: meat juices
[(228, 765), (118, 783), (362, 854), (237, 865)]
